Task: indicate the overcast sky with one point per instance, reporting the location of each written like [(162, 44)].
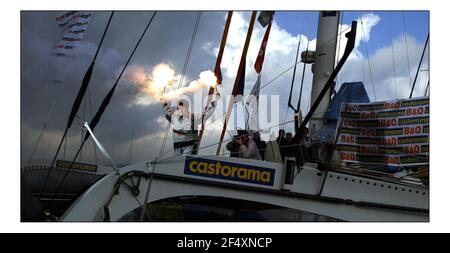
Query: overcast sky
[(380, 49)]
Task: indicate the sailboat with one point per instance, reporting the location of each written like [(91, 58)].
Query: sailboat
[(221, 188)]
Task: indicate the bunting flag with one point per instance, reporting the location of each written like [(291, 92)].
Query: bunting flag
[(254, 94), (74, 25), (252, 101), (240, 88), (252, 105), (262, 50)]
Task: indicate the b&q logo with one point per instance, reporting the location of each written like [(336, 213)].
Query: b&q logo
[(229, 171)]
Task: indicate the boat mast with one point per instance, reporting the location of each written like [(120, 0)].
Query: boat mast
[(330, 81), (324, 60)]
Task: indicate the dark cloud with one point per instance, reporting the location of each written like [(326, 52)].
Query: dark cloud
[(167, 40)]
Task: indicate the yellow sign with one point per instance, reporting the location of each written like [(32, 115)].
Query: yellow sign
[(229, 171), (76, 166)]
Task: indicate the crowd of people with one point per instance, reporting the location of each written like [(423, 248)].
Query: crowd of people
[(244, 145), (251, 146)]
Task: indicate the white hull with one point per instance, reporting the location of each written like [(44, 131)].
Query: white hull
[(341, 196)]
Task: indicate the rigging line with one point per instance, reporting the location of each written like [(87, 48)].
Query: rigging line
[(348, 50), (82, 129), (282, 73), (428, 82), (407, 51), (363, 69), (37, 142), (393, 57), (289, 68), (191, 45), (341, 19), (309, 102), (222, 119), (286, 113), (77, 103), (104, 104), (44, 126), (303, 79), (293, 73), (420, 63), (368, 57), (428, 70), (332, 40), (426, 89), (166, 133), (103, 36), (90, 112), (65, 147), (363, 63), (311, 31), (183, 73), (247, 116)]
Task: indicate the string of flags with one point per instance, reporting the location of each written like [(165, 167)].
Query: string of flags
[(74, 25)]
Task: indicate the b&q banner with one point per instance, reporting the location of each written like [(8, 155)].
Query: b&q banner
[(395, 133)]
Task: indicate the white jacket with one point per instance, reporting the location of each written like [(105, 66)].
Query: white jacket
[(185, 124)]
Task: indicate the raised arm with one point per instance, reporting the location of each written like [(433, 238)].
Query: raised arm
[(167, 110), (209, 111)]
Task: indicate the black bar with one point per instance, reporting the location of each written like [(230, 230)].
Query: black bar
[(418, 68), (348, 49)]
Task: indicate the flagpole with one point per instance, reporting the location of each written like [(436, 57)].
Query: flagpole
[(217, 72), (238, 79)]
